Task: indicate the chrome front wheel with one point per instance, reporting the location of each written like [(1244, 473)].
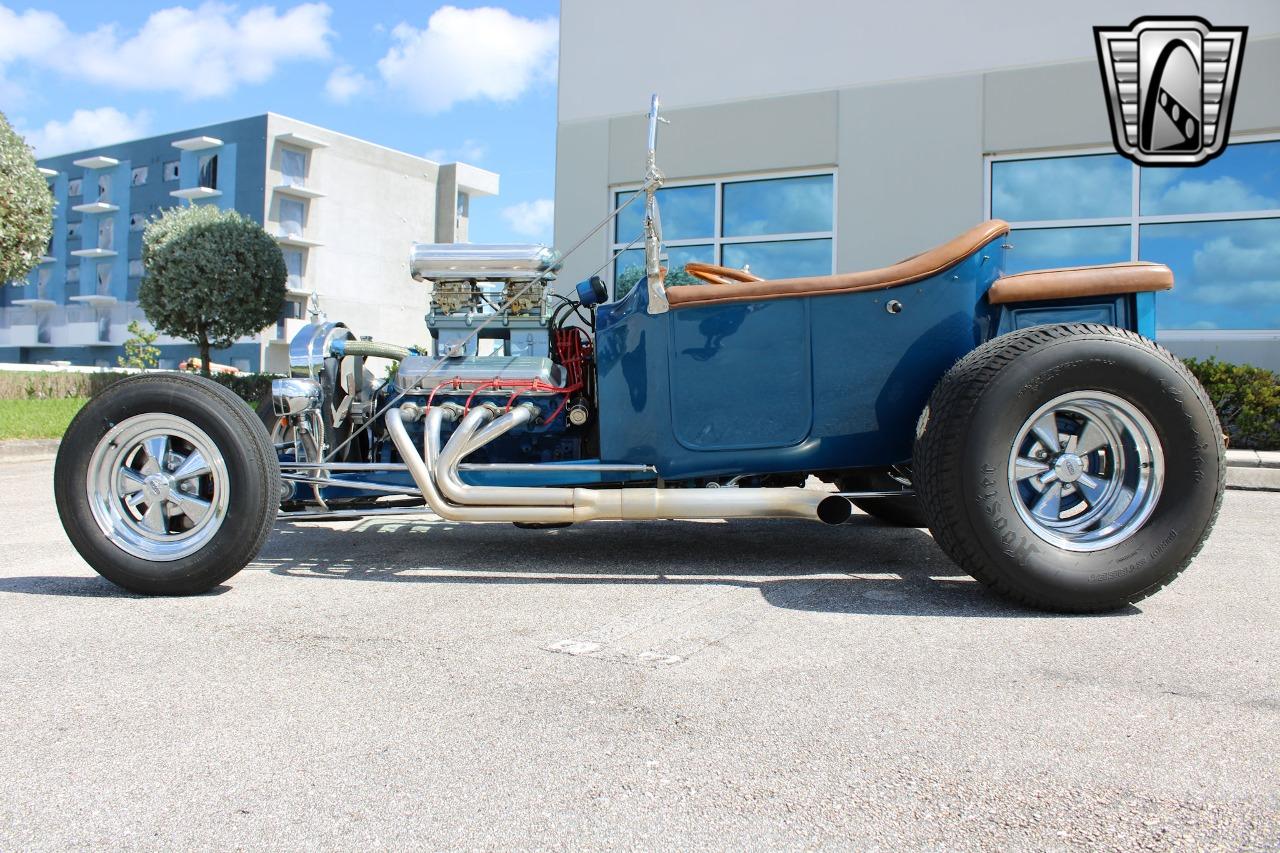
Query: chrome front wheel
[(158, 487), (1086, 471), (166, 484)]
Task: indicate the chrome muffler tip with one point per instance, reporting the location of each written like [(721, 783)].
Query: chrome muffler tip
[(834, 509)]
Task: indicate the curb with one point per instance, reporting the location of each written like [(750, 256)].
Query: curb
[(1251, 470), (28, 450)]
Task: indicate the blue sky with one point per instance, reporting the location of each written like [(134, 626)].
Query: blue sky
[(451, 82)]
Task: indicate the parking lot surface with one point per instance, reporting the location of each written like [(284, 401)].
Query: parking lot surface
[(744, 685)]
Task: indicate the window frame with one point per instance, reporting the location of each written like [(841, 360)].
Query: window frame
[(716, 241), (1136, 219)]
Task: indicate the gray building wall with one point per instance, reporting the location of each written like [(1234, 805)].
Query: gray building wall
[(909, 155)]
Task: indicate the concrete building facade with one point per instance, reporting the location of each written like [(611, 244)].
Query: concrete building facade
[(343, 210), (842, 136)]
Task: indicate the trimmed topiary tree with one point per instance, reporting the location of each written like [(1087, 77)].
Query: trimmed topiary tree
[(26, 207), (212, 276)]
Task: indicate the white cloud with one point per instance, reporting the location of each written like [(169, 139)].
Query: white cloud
[(470, 151), (345, 83), (531, 218), (1189, 195), (470, 54), (200, 52), (87, 129), (1242, 268), (1061, 188)]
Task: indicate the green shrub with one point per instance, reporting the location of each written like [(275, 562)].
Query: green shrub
[(250, 387), (1247, 399), (53, 385), (26, 207)]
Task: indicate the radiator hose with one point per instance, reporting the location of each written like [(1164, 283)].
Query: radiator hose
[(375, 349)]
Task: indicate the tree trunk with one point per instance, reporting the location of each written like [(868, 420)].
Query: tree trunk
[(204, 355)]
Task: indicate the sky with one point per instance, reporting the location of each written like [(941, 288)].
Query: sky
[(463, 82)]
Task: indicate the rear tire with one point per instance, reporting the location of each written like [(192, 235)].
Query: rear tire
[(167, 484), (1014, 504)]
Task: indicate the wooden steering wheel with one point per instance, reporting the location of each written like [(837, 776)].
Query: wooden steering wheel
[(712, 274)]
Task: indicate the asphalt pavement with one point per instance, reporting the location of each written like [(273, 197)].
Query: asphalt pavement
[(412, 683)]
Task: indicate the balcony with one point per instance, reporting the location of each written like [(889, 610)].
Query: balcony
[(297, 241), (94, 253), (299, 141), (197, 143), (95, 207), (196, 193), (98, 162), (298, 191), (48, 173)]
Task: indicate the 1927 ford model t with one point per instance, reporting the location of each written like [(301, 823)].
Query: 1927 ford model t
[(1055, 452)]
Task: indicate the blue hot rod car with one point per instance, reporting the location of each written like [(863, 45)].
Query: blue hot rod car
[(1055, 452)]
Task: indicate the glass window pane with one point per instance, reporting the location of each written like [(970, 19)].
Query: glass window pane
[(627, 270), (104, 279), (73, 187), (291, 217), (777, 206), (209, 171), (687, 214), (106, 233), (788, 259), (1044, 248), (104, 188), (1226, 275), (293, 166), (1244, 177), (629, 266), (138, 176), (1061, 188)]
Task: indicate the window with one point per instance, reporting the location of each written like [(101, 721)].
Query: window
[(137, 221), (104, 279), (73, 274), (106, 233), (292, 216), (73, 187), (73, 230), (293, 166), (138, 176), (104, 188), (294, 266), (1217, 226), (136, 270), (42, 283), (209, 171), (779, 227), (171, 170)]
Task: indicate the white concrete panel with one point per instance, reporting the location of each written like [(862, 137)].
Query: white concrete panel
[(713, 51), (910, 168)]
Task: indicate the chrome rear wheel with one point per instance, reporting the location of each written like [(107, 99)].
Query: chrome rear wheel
[(1086, 470)]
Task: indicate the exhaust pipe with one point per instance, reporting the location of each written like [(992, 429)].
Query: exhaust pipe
[(436, 473)]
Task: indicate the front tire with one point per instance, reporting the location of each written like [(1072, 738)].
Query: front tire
[(1073, 467), (166, 485)]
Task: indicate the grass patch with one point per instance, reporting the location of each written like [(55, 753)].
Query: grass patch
[(37, 418)]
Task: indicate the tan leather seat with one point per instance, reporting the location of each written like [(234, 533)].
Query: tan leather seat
[(1070, 282), (913, 269)]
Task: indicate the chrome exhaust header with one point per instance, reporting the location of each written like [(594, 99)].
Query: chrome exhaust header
[(436, 473)]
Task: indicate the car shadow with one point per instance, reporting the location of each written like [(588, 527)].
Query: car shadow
[(93, 586), (861, 566)]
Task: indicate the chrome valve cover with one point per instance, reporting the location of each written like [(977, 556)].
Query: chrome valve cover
[(418, 374)]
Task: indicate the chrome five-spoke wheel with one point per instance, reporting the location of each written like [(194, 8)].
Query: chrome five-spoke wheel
[(1086, 471), (158, 487)]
